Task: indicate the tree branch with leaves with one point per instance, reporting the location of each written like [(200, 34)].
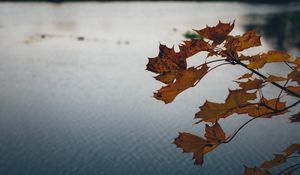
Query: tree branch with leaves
[(223, 49)]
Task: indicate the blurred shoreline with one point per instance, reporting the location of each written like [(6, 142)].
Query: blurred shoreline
[(245, 1)]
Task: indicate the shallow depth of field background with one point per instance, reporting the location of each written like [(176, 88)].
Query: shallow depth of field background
[(75, 97)]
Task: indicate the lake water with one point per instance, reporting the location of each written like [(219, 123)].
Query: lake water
[(75, 97)]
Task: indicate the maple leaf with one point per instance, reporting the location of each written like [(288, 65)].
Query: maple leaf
[(184, 80), (295, 75), (214, 134), (191, 144), (251, 84), (199, 146), (275, 78), (256, 171), (211, 112), (295, 118), (218, 33), (267, 108), (240, 43), (258, 61), (279, 159), (247, 75)]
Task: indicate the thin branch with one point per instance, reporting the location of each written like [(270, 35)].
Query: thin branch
[(276, 111), (210, 62), (264, 77), (293, 157), (289, 65), (290, 167), (278, 98), (209, 71)]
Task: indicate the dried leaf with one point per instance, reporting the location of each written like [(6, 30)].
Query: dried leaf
[(211, 112), (258, 61), (214, 134), (295, 118), (247, 75), (256, 110), (192, 144), (240, 43), (251, 84), (292, 149), (279, 159), (218, 33), (197, 145), (274, 78), (256, 171), (295, 76), (184, 80), (294, 89)]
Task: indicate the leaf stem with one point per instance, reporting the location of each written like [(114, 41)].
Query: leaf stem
[(275, 111), (264, 77), (290, 167)]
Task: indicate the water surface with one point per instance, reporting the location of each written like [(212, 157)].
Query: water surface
[(75, 97)]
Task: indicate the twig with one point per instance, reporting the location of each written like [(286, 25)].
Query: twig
[(264, 77), (276, 111), (290, 167)]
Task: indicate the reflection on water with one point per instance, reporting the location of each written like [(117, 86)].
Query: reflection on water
[(281, 30)]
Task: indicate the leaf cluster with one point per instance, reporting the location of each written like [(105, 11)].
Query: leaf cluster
[(222, 49)]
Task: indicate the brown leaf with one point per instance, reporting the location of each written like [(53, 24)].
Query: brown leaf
[(211, 112), (295, 75), (295, 118), (294, 89), (274, 78), (258, 61), (192, 144), (251, 84), (256, 171), (218, 33), (278, 160), (292, 149), (184, 80), (256, 110), (247, 75), (214, 134), (240, 43)]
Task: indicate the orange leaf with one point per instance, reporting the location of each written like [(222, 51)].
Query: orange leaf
[(247, 75), (274, 78), (251, 84), (240, 43), (218, 33), (258, 61), (192, 144), (279, 159), (256, 110), (184, 80), (210, 111)]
